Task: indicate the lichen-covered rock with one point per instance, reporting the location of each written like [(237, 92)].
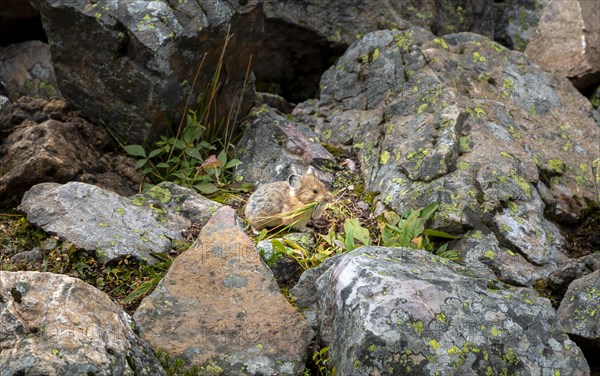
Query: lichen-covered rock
[(561, 278), (219, 307), (459, 120), (394, 311), (175, 206), (136, 73), (55, 325), (285, 269), (98, 220), (579, 310), (274, 147), (45, 141), (566, 41), (518, 23), (26, 69), (304, 37)]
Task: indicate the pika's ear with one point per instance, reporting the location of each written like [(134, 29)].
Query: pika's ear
[(311, 171), (294, 181)]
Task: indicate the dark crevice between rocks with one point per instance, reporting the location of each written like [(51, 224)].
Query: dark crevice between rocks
[(590, 349), (583, 239), (21, 30), (292, 59)]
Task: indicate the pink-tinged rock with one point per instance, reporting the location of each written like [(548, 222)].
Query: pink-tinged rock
[(56, 325), (567, 41), (219, 307)]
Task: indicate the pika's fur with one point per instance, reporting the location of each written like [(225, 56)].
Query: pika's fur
[(266, 206)]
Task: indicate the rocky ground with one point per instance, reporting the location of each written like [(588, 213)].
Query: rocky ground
[(471, 128)]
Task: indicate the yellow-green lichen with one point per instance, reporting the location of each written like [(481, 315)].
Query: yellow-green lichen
[(489, 254), (556, 165), (463, 166), (522, 183), (384, 157), (160, 194), (478, 57), (139, 200), (404, 40), (441, 42), (434, 344), (120, 211), (418, 326)]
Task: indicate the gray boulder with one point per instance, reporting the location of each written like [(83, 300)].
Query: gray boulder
[(561, 278), (113, 226), (503, 147), (135, 71), (394, 311), (56, 325), (274, 147), (578, 313), (219, 308), (26, 69), (304, 37)]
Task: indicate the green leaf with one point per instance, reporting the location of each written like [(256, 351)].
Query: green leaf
[(442, 249), (278, 246), (162, 165), (141, 290), (358, 232), (135, 150), (222, 158), (140, 163), (233, 163), (428, 211), (179, 144), (194, 153), (154, 153), (391, 217), (349, 241), (206, 145), (206, 188), (439, 234)]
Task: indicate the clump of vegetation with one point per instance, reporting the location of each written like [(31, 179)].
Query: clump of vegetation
[(118, 279), (190, 156), (320, 364), (393, 230)]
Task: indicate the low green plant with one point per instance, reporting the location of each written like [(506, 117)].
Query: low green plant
[(408, 230), (321, 360), (189, 157), (394, 230), (188, 160)]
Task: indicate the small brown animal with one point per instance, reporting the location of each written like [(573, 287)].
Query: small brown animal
[(271, 204)]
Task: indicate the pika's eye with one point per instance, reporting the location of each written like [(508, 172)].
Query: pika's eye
[(315, 191)]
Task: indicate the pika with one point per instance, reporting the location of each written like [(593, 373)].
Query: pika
[(270, 205)]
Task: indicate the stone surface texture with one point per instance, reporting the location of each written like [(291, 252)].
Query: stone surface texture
[(578, 313), (506, 149), (396, 311), (273, 147), (567, 41), (98, 220), (56, 325), (46, 141), (135, 71), (219, 307), (26, 69)]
